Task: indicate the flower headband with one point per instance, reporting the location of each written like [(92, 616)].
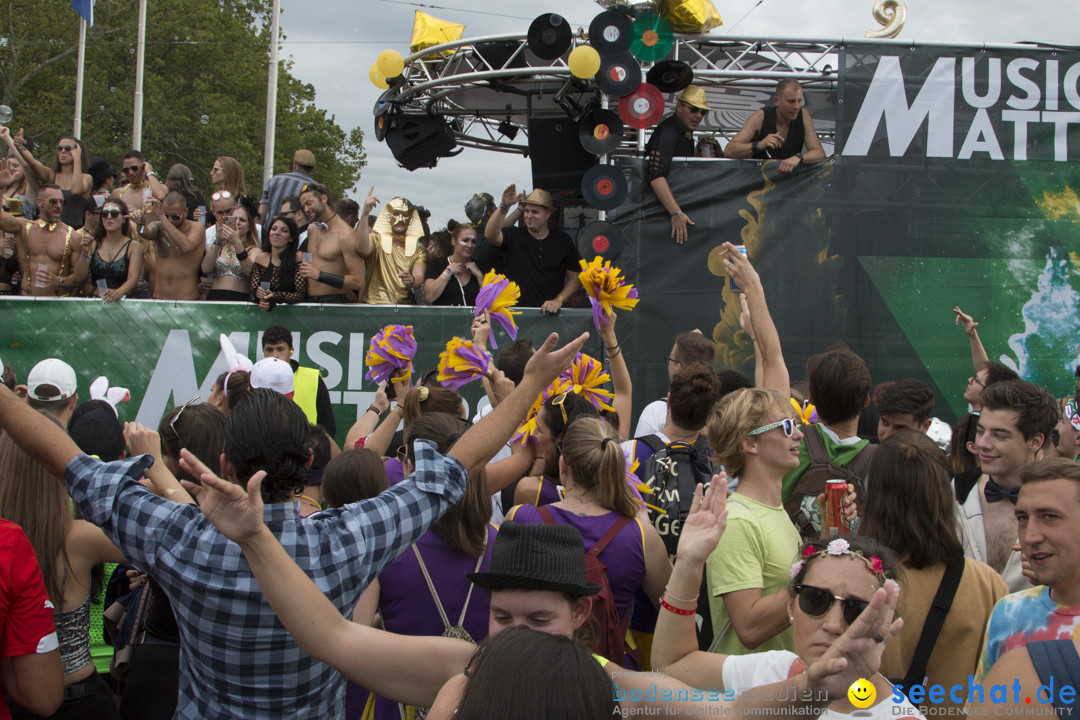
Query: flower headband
[(837, 547)]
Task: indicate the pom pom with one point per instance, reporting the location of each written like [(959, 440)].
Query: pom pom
[(585, 376), (461, 363), (497, 297), (390, 355), (527, 432), (606, 288)]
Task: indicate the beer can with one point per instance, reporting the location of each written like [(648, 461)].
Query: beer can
[(734, 287), (834, 507)]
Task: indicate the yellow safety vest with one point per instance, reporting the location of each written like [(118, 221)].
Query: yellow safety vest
[(305, 391)]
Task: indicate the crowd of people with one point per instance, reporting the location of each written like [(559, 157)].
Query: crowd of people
[(542, 559), (68, 232)]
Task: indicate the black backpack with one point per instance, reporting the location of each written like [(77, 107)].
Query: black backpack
[(673, 470)]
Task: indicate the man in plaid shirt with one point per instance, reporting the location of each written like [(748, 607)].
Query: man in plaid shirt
[(236, 659)]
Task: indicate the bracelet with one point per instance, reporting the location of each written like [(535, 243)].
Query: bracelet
[(613, 355), (504, 208), (676, 597), (755, 148), (561, 299), (677, 212), (242, 255), (84, 256), (334, 281), (678, 611), (447, 272), (398, 411), (372, 408), (613, 347)]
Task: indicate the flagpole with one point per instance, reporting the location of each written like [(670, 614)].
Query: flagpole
[(140, 52), (271, 101), (77, 125)]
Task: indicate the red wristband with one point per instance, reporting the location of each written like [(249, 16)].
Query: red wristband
[(671, 608)]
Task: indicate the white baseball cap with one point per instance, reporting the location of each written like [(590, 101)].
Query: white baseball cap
[(51, 379), (274, 374)]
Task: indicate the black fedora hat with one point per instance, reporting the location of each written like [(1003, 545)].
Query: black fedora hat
[(537, 556)]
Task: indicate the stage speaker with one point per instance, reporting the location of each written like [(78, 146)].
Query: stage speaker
[(419, 140), (559, 162)]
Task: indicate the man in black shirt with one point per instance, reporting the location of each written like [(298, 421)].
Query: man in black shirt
[(542, 260), (674, 137), (779, 132)]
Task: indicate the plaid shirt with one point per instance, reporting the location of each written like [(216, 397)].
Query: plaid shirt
[(236, 659)]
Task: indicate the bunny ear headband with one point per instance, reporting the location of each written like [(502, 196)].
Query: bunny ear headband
[(234, 360), (100, 390)]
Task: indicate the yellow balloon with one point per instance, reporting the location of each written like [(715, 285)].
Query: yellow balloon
[(390, 63), (377, 78), (584, 61)]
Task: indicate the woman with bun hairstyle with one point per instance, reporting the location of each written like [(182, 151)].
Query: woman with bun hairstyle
[(455, 280)]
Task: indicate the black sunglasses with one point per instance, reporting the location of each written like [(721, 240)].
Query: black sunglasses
[(111, 213), (69, 148), (174, 216), (816, 602), (133, 168)]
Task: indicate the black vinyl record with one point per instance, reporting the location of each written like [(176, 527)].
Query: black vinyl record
[(600, 238), (549, 36), (619, 75), (601, 131), (604, 187), (609, 33), (670, 76)]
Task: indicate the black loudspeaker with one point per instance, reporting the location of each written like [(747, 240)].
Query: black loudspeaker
[(558, 160), (420, 140)]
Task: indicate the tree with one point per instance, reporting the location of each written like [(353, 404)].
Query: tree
[(204, 87)]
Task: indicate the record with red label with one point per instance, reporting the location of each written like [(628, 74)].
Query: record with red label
[(609, 32), (651, 37), (549, 36), (670, 76), (600, 238), (604, 187), (642, 108), (600, 131), (619, 74)]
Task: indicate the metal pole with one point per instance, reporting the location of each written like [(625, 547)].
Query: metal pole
[(77, 125), (140, 52), (271, 100)]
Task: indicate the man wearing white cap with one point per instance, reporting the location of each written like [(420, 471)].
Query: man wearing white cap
[(542, 260), (674, 137), (274, 374), (50, 387), (779, 132)]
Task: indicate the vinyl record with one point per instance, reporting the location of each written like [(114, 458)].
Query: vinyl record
[(604, 187), (549, 36), (601, 131), (651, 37), (609, 33), (619, 75), (670, 76), (642, 108), (600, 238)]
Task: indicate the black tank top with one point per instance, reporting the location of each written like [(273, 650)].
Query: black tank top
[(114, 272), (793, 145)]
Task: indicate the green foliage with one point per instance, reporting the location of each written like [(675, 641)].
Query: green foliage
[(203, 58)]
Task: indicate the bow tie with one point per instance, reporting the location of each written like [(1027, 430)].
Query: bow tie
[(136, 185), (995, 493), (47, 225)]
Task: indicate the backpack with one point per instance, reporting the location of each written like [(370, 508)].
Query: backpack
[(673, 471), (611, 643), (802, 505)]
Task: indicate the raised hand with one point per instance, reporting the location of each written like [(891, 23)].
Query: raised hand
[(969, 324), (546, 363), (705, 524), (481, 330), (510, 195), (369, 204), (237, 513)]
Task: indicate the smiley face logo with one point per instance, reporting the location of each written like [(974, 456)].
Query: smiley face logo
[(862, 693)]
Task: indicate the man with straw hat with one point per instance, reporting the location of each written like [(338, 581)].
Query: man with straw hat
[(779, 132), (674, 137)]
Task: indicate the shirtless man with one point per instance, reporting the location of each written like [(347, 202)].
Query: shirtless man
[(179, 244), (48, 250), (138, 176), (394, 258), (336, 272)]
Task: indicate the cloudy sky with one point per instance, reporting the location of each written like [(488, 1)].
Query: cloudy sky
[(333, 43)]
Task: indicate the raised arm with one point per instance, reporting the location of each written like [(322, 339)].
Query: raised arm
[(40, 437), (620, 376), (774, 372), (362, 233), (495, 224), (979, 358)]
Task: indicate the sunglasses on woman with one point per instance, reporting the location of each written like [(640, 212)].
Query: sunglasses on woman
[(111, 213), (815, 602), (789, 425)]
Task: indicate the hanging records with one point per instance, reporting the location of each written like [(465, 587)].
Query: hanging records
[(619, 74), (670, 76), (643, 107), (651, 37), (609, 33), (604, 187), (600, 238), (549, 36), (600, 131)]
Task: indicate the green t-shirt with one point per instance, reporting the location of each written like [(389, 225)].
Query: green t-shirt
[(755, 551)]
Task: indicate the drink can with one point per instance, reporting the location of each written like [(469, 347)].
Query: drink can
[(835, 490), (734, 287)]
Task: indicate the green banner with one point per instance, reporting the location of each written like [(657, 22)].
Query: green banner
[(166, 353)]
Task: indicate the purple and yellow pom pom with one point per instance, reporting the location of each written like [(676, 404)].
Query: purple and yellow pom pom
[(585, 377), (461, 363), (390, 355), (606, 288), (527, 432), (498, 296)]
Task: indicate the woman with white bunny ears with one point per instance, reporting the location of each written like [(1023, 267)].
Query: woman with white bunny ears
[(232, 384)]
